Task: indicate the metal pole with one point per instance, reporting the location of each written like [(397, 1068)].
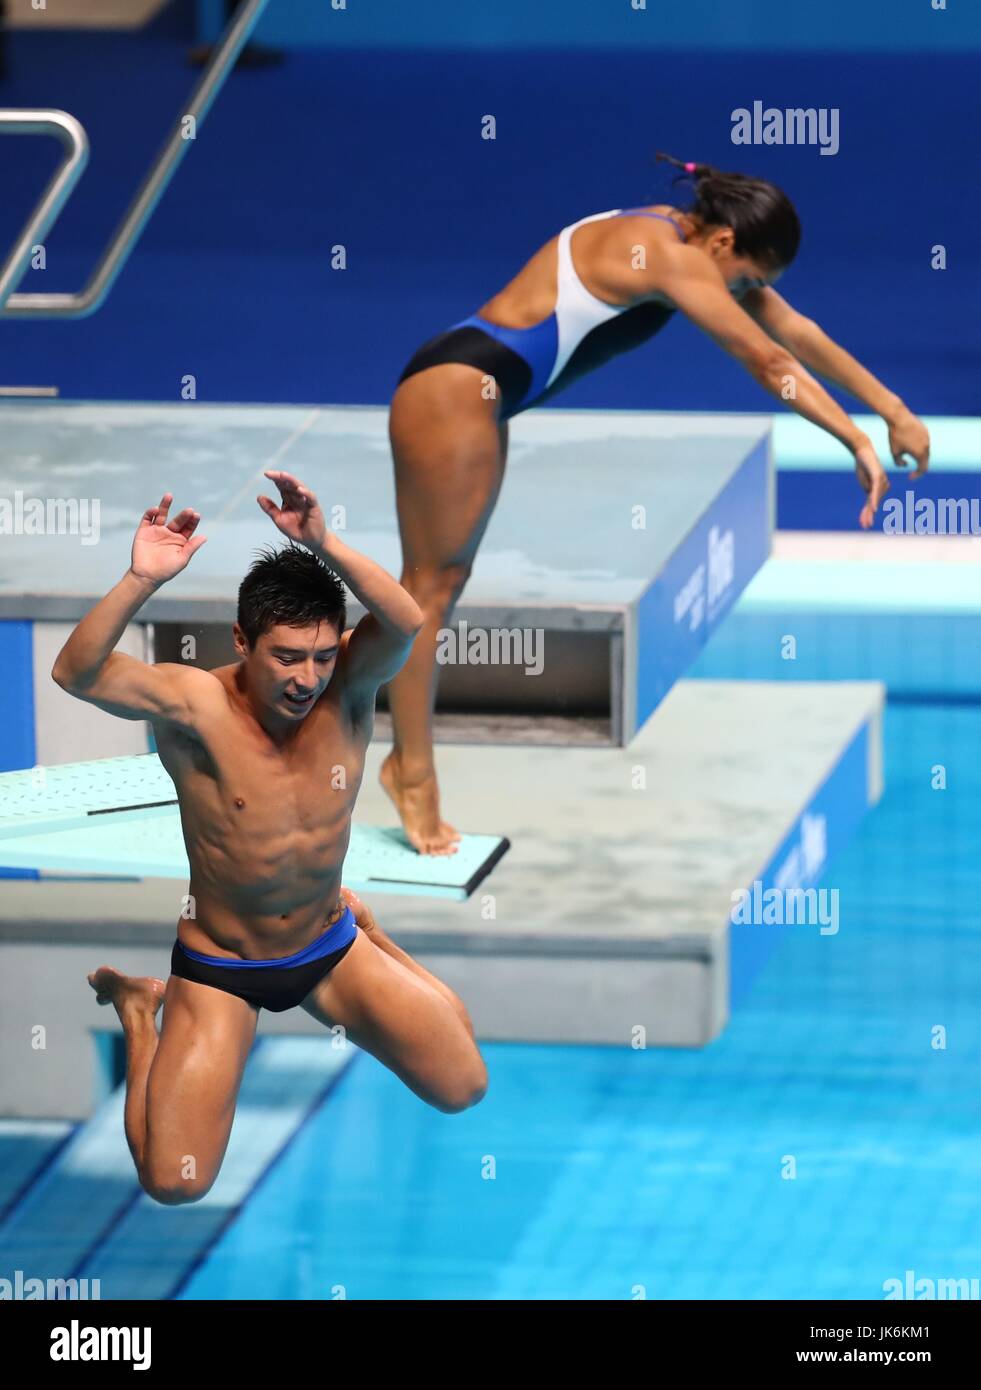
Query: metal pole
[(76, 155), (150, 191)]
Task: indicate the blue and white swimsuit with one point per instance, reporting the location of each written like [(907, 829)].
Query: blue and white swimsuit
[(532, 364)]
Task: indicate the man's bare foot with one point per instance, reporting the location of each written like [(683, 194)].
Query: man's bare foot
[(417, 803), (127, 993)]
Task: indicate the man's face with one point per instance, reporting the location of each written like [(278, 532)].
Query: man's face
[(290, 667)]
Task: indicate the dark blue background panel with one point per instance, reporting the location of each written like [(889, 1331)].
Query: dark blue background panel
[(381, 153)]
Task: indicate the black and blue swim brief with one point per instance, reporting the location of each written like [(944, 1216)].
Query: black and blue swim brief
[(278, 984)]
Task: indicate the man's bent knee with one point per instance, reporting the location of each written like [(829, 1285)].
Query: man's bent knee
[(462, 1092), (172, 1191), (169, 1195)]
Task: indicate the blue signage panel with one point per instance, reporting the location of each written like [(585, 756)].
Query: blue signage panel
[(791, 893), (703, 578)]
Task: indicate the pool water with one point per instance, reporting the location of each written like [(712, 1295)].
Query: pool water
[(826, 1144)]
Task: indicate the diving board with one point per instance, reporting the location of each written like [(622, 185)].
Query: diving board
[(118, 816), (620, 541)]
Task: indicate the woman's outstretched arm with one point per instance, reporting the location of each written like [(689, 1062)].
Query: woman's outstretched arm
[(809, 343), (693, 283)]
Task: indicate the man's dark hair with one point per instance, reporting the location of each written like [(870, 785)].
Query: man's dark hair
[(292, 587)]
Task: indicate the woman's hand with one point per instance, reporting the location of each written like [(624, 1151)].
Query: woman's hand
[(872, 478), (162, 548), (909, 435)]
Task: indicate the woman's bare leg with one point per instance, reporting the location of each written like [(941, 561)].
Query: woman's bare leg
[(450, 453)]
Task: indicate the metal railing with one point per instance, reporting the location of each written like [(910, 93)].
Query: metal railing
[(75, 146), (72, 136)]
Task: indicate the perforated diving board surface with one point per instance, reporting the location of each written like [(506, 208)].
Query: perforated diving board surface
[(643, 527), (118, 816)]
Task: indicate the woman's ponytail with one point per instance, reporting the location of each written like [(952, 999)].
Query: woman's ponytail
[(763, 219)]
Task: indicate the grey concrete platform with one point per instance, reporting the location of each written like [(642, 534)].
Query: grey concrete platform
[(610, 914), (562, 533), (605, 518)]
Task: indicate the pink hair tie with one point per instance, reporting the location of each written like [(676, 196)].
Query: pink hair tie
[(690, 168)]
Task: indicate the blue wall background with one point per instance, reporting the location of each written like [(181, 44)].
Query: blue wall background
[(776, 25), (379, 149)]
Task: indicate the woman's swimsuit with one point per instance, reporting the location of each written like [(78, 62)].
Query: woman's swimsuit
[(278, 984), (582, 332)]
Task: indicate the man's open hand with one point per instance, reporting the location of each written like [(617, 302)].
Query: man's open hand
[(162, 548), (300, 517)]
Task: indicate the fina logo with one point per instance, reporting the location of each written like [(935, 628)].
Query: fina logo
[(704, 592), (806, 860)]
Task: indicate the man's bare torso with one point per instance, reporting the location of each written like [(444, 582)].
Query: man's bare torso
[(266, 822)]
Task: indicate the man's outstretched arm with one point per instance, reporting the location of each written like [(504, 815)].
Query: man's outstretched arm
[(89, 667)]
